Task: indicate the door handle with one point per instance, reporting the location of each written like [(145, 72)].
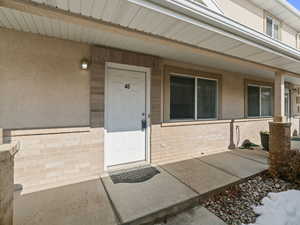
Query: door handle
[(144, 124)]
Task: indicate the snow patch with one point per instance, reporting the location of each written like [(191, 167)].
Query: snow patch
[(281, 208)]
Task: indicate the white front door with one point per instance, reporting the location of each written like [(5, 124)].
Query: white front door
[(125, 116)]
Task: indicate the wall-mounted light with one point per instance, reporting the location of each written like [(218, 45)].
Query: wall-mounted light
[(84, 64)]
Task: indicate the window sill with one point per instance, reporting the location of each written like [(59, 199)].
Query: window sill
[(194, 122), (44, 131), (208, 122), (253, 119)]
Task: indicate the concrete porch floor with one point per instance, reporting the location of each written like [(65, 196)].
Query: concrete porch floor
[(178, 186)]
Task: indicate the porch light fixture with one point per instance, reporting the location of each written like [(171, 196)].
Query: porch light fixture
[(84, 64)]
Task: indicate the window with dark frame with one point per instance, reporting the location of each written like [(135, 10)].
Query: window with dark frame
[(260, 101), (193, 98)]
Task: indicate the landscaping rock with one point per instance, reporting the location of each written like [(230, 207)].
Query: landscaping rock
[(235, 205)]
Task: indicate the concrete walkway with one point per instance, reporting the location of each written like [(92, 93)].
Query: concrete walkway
[(194, 216), (77, 204), (176, 187), (138, 203)]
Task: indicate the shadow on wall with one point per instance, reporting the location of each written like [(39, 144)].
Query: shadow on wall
[(235, 137), (296, 131)]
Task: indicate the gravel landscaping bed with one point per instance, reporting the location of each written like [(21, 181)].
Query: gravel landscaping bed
[(235, 205)]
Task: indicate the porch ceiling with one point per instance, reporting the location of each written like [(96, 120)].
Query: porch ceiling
[(190, 37)]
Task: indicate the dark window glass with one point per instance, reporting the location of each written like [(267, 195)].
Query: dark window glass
[(182, 98), (266, 102), (253, 101), (269, 27), (206, 99), (276, 31)]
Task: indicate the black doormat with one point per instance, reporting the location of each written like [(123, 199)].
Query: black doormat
[(135, 176)]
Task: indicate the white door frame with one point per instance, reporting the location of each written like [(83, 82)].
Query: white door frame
[(147, 71)]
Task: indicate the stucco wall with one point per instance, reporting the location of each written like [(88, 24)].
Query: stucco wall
[(288, 35), (247, 13), (244, 12), (232, 91), (41, 84)]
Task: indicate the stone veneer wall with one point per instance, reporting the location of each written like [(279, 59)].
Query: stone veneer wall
[(175, 143), (7, 153), (172, 143), (55, 157)]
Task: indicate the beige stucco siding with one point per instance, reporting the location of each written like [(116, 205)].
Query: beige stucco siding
[(41, 84), (244, 12), (233, 92), (249, 14), (288, 35)]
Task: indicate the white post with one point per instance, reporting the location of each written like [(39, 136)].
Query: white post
[(279, 97)]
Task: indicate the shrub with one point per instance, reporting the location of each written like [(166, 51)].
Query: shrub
[(264, 132), (293, 166), (286, 166)]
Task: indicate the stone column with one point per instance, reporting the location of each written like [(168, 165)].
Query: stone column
[(7, 153), (280, 144)]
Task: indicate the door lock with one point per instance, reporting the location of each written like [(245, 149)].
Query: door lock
[(144, 124)]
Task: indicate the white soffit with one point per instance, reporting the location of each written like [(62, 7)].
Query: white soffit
[(283, 10), (147, 20), (56, 28)]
